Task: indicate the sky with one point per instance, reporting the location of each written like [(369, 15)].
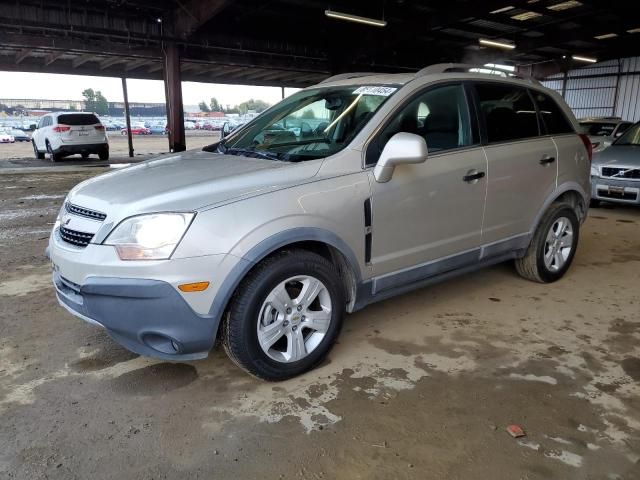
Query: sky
[(69, 87)]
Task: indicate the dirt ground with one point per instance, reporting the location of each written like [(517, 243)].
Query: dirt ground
[(20, 154), (421, 386)]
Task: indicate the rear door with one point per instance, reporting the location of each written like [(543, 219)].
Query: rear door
[(522, 160)]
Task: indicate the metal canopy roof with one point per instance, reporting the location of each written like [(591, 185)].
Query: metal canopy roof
[(293, 43)]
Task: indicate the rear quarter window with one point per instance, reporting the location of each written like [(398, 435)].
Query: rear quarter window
[(554, 120), (78, 119)]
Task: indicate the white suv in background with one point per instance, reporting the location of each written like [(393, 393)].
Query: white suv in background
[(61, 134)]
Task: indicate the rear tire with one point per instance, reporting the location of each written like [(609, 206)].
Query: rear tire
[(38, 154), (553, 246), (85, 156), (285, 315), (104, 154)]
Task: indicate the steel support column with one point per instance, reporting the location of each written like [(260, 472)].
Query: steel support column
[(173, 89), (127, 116)]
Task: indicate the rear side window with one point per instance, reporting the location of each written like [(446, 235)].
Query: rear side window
[(553, 118), (508, 111), (78, 119)]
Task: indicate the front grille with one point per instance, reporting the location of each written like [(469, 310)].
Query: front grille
[(621, 172), (79, 239), (84, 212)]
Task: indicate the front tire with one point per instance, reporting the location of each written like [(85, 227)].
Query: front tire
[(553, 246), (285, 316)]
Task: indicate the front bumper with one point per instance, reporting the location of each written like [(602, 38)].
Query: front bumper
[(148, 317), (615, 190)]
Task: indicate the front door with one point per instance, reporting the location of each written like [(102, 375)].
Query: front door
[(428, 218)]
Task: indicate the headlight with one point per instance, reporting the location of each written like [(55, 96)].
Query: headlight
[(149, 237), (594, 171)]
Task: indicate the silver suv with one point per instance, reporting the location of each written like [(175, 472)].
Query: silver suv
[(346, 193)]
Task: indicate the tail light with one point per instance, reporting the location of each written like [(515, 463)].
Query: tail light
[(61, 128), (588, 145), (100, 128)]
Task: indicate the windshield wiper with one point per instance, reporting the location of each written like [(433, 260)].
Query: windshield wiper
[(251, 153)]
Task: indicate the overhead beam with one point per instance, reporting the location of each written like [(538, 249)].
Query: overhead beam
[(110, 62), (136, 64), (81, 60), (22, 54), (191, 15), (52, 57)]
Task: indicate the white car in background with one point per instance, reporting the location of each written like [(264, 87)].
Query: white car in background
[(61, 134), (189, 125), (603, 131), (6, 137)]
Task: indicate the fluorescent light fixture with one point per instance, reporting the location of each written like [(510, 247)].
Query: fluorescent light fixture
[(578, 58), (502, 10), (634, 30), (605, 36), (526, 16), (558, 7), (355, 18), (496, 44)]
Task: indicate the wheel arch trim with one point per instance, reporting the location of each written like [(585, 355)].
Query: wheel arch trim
[(270, 245), (557, 193)]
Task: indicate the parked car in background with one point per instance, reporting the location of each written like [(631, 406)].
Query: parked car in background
[(158, 129), (19, 135), (615, 173), (602, 131), (61, 134), (136, 130), (189, 125), (6, 137), (265, 239)]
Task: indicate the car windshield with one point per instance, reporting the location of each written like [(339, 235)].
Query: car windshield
[(598, 129), (630, 137), (310, 124)]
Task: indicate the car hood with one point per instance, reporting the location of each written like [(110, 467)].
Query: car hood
[(623, 155), (187, 181)]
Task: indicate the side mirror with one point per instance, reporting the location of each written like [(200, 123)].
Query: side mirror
[(401, 149), (226, 129)]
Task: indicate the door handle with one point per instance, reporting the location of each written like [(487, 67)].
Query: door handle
[(547, 160), (473, 176)]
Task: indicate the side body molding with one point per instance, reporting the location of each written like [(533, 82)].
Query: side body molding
[(270, 245)]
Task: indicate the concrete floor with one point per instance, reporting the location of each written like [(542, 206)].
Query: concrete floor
[(421, 386)]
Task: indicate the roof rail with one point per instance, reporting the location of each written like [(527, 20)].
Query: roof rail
[(347, 76), (465, 67)]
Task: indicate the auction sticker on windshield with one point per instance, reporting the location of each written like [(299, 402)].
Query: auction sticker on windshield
[(381, 91)]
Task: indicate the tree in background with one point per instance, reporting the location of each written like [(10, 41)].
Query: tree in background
[(257, 106), (215, 106), (95, 102), (204, 107)]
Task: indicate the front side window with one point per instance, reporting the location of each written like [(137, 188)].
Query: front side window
[(309, 125), (508, 111), (553, 118), (439, 115)]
